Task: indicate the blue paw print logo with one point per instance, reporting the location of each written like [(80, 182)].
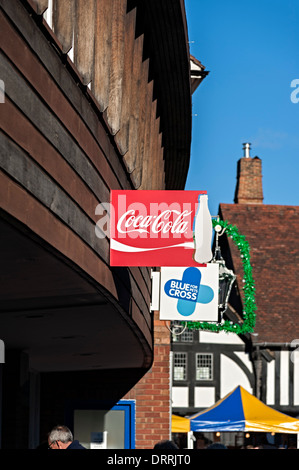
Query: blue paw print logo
[(189, 291)]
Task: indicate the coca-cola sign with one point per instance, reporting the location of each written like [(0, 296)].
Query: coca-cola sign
[(168, 221), (153, 228)]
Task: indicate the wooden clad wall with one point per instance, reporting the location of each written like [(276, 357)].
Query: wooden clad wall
[(88, 109), (59, 160), (100, 37), (89, 84)]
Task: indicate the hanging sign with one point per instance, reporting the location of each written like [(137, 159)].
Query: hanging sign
[(159, 228), (189, 294)]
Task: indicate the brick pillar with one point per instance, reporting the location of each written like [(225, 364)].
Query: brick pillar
[(153, 393), (249, 188)]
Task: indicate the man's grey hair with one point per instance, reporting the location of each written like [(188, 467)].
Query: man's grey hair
[(61, 433)]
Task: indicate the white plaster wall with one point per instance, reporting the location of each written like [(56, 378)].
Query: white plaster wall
[(219, 338), (295, 359), (204, 397), (270, 396), (284, 378), (231, 376), (245, 359), (180, 397)]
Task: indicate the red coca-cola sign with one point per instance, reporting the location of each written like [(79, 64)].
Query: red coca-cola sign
[(152, 228)]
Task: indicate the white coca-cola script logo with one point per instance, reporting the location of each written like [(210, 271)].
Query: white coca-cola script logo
[(130, 222), (156, 220)]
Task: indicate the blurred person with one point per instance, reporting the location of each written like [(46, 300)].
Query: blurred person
[(61, 437), (216, 445), (165, 445)]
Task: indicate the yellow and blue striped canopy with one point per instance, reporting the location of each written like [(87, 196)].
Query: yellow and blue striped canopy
[(238, 411)]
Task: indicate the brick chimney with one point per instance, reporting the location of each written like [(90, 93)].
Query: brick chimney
[(249, 188)]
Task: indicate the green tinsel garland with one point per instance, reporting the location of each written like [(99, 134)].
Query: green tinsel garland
[(249, 290)]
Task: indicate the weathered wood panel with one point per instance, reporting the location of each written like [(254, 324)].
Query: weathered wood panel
[(63, 22), (84, 35), (40, 150), (137, 174), (147, 171), (117, 64), (29, 175), (147, 138), (51, 128), (110, 58), (143, 110), (130, 157), (160, 162), (50, 59), (102, 53), (30, 105), (41, 6), (122, 137), (156, 155), (102, 44)]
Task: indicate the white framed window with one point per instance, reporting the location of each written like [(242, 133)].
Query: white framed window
[(204, 366), (185, 337), (179, 366)]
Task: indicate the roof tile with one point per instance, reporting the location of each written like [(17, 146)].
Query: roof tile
[(272, 232)]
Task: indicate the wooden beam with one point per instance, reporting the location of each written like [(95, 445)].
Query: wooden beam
[(130, 157), (122, 137), (41, 6), (144, 108), (147, 137), (147, 173), (102, 53), (117, 64), (84, 35), (63, 22)]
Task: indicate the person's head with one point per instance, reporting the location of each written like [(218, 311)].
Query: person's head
[(165, 445), (60, 437)]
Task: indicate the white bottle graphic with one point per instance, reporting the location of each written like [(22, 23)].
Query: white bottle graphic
[(202, 231)]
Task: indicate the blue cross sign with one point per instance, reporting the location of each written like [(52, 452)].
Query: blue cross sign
[(192, 291), (188, 291)]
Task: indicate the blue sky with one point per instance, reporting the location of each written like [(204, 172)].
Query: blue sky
[(251, 49)]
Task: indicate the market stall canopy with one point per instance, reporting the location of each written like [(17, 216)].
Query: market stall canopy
[(241, 411), (180, 424)]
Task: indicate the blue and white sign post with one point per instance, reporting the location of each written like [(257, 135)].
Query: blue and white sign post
[(189, 294)]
